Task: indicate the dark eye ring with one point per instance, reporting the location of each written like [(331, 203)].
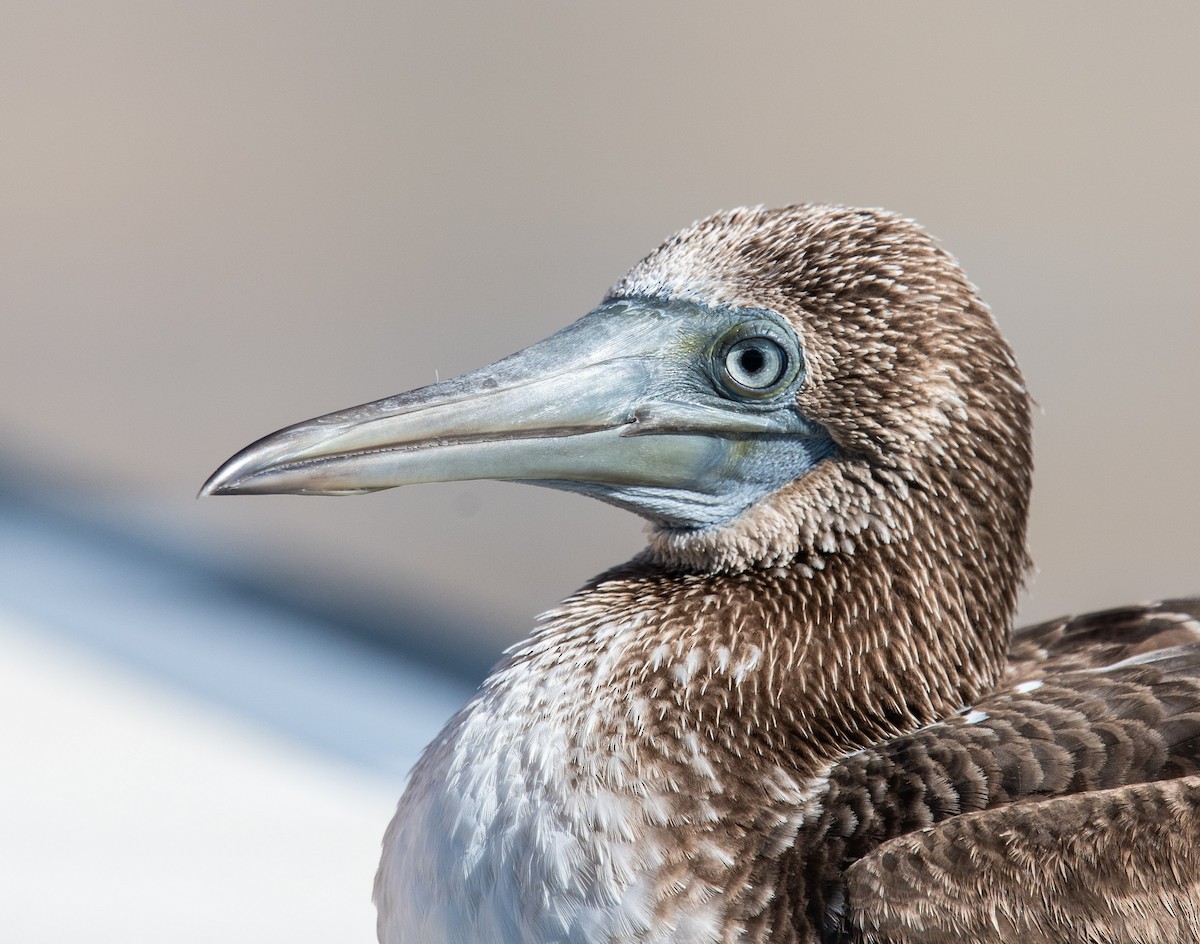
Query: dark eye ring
[(756, 365)]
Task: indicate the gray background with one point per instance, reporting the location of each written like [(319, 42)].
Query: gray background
[(220, 218)]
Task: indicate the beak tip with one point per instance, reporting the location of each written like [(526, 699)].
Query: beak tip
[(214, 486), (226, 480)]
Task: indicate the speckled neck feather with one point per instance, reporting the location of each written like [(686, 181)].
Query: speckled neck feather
[(892, 569)]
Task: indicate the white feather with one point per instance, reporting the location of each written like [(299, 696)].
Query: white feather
[(525, 821)]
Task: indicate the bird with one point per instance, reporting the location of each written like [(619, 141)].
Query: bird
[(801, 714)]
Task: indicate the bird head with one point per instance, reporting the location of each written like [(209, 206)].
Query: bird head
[(763, 381)]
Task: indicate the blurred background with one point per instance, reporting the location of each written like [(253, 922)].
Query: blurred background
[(217, 219)]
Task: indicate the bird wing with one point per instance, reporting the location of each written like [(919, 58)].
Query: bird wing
[(1092, 705), (1102, 639), (1119, 866)]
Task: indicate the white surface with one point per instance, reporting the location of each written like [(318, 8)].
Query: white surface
[(129, 813)]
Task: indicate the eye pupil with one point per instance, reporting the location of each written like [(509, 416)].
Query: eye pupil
[(752, 360)]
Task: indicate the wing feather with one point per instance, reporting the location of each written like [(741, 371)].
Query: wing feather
[(1119, 866), (1092, 704)]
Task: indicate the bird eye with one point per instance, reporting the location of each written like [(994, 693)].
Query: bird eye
[(755, 367)]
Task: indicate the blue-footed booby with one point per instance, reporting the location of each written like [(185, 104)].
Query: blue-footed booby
[(801, 713)]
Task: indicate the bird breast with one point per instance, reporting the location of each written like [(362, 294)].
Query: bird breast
[(544, 813)]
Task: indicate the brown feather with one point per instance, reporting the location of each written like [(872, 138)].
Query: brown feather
[(1118, 866)]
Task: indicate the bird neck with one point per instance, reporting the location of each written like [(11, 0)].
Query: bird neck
[(887, 614)]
